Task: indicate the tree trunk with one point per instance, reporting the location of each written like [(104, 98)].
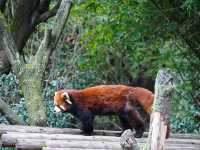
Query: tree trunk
[(31, 75), (32, 88), (159, 117)]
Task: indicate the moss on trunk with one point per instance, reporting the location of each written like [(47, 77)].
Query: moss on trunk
[(32, 87)]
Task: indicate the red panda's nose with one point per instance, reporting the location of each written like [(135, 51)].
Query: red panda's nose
[(57, 109)]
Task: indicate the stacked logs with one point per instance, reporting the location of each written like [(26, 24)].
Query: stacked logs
[(43, 138)]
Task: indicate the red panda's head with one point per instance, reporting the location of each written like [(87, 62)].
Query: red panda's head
[(61, 101)]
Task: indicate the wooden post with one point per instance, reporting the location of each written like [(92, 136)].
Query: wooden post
[(160, 113)]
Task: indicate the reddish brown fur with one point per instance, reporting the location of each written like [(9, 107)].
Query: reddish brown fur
[(107, 96), (109, 99)]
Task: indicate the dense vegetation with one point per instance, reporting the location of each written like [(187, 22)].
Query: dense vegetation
[(121, 42)]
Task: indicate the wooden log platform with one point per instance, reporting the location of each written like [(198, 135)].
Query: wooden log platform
[(43, 138)]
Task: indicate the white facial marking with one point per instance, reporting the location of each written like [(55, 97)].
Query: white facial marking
[(55, 93), (57, 109), (67, 99), (62, 107), (66, 95)]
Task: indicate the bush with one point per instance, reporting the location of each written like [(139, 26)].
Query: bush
[(10, 93), (9, 90), (7, 148), (183, 109)]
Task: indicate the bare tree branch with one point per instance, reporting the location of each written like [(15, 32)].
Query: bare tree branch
[(8, 44), (44, 52), (61, 18)]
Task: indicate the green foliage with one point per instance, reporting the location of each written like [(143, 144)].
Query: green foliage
[(3, 120), (116, 47), (7, 148), (107, 123), (9, 88), (183, 110), (20, 109), (10, 93)]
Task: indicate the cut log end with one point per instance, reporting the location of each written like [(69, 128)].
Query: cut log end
[(128, 141)]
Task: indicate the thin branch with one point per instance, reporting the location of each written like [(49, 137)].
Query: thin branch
[(40, 56), (51, 39), (13, 4), (61, 18), (7, 43)]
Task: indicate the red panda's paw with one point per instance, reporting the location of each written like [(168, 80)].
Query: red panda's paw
[(87, 133)]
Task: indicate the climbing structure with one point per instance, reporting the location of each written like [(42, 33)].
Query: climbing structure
[(45, 138)]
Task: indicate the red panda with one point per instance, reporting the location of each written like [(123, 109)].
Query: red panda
[(120, 100)]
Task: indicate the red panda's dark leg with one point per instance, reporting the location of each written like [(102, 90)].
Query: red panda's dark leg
[(86, 119), (168, 131), (124, 122), (137, 123), (135, 120)]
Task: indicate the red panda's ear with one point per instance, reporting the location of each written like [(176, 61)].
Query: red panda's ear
[(66, 97)]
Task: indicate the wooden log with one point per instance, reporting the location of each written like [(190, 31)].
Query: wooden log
[(48, 148), (9, 139), (26, 144), (181, 148), (85, 145), (49, 130), (29, 144), (160, 114), (185, 136), (114, 146), (128, 141), (167, 148), (33, 129)]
